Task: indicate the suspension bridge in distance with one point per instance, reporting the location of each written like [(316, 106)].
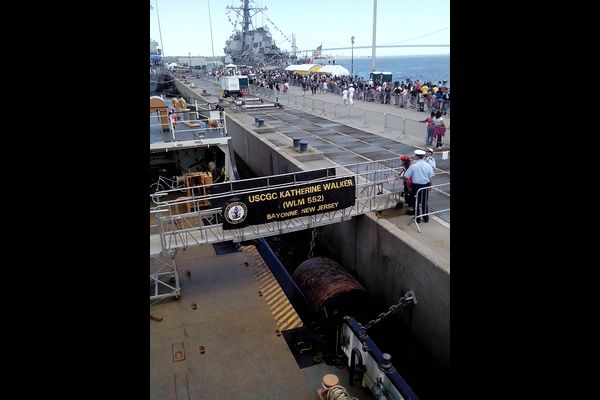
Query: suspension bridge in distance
[(378, 47)]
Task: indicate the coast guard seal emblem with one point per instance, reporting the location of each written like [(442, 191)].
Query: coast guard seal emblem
[(235, 212)]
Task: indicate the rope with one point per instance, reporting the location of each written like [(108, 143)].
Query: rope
[(338, 392)]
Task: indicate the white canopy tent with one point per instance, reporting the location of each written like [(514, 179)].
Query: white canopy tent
[(334, 70)]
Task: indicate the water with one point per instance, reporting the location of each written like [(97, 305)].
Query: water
[(425, 68)]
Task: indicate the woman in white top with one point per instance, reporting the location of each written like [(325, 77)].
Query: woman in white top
[(439, 128), (345, 96)]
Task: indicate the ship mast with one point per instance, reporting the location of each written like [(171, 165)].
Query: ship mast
[(162, 48), (211, 35), (246, 17)]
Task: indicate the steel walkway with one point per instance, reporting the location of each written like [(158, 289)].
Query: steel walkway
[(377, 187)]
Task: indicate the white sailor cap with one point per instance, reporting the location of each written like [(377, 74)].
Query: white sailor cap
[(419, 152)]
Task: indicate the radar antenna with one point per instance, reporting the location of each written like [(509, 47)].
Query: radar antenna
[(244, 12)]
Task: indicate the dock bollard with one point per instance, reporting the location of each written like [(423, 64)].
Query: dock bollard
[(259, 122), (330, 380), (296, 143), (303, 146)]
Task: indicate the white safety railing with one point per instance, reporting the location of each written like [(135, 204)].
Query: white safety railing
[(192, 126), (354, 113), (436, 200)]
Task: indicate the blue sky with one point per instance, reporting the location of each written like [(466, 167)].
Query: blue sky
[(185, 25)]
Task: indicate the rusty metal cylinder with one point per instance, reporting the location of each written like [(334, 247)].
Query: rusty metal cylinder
[(326, 284)]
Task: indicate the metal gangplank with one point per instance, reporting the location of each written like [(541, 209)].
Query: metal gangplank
[(377, 187)]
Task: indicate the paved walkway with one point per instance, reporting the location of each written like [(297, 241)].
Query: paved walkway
[(370, 105)]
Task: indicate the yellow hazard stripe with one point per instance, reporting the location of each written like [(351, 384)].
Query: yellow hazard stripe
[(284, 314)]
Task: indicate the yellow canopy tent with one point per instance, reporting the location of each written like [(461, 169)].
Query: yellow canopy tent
[(303, 69)]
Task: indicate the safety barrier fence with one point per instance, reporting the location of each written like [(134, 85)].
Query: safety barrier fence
[(366, 95), (437, 198), (371, 95), (354, 114)]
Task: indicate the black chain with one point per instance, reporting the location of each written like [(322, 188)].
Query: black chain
[(312, 243), (408, 298)]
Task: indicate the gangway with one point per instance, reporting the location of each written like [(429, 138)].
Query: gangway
[(197, 220)]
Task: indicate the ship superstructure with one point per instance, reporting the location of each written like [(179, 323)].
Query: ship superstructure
[(254, 45)]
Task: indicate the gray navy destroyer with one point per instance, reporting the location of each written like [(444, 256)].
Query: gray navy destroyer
[(255, 46)]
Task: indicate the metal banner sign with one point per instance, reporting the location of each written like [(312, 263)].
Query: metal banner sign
[(281, 204)]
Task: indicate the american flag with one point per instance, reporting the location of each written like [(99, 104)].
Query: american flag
[(317, 52)]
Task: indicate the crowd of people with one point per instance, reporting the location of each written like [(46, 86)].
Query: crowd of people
[(421, 96)]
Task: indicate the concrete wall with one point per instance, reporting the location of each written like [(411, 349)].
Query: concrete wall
[(387, 261), (183, 89), (260, 154), (189, 93)]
